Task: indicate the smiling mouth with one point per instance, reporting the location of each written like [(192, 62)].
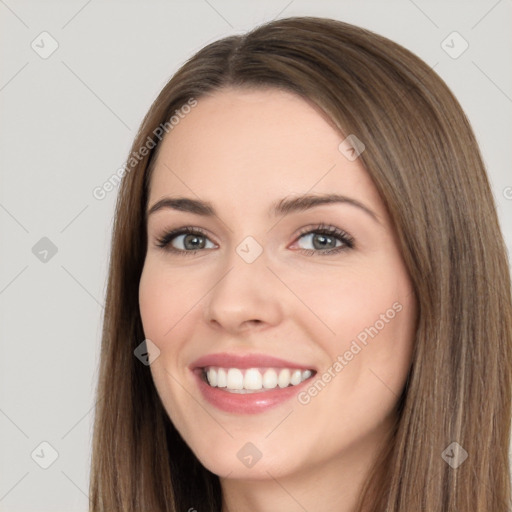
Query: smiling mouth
[(253, 380)]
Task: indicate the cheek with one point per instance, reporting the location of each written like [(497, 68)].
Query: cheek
[(347, 301), (375, 334), (163, 304), (152, 298), (366, 314), (164, 298)]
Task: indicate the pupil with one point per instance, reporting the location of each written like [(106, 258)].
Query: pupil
[(323, 239), (193, 239)]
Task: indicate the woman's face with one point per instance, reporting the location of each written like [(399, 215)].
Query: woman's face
[(307, 306)]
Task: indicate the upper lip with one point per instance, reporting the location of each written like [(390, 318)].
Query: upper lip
[(244, 361)]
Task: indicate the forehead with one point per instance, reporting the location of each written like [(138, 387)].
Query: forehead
[(244, 147)]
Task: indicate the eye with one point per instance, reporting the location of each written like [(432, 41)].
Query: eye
[(192, 240), (326, 240)]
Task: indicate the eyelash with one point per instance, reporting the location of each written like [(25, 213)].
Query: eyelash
[(348, 242)]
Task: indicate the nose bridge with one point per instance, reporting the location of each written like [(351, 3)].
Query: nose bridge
[(246, 290)]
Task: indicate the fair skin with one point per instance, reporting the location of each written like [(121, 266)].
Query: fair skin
[(242, 151)]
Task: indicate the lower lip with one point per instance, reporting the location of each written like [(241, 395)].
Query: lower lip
[(247, 403)]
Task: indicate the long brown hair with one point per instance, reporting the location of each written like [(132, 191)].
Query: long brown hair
[(425, 162)]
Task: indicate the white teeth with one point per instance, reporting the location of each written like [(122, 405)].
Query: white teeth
[(212, 377), (283, 380), (254, 379), (235, 379), (270, 379), (221, 378), (296, 378)]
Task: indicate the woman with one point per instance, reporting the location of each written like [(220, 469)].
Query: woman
[(308, 304)]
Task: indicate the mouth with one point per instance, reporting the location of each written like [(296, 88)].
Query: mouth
[(249, 383), (253, 380)]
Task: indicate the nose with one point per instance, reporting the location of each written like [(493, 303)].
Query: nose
[(245, 296)]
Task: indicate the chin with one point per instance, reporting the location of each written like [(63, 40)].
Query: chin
[(241, 459)]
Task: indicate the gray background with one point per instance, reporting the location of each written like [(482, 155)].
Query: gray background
[(68, 121)]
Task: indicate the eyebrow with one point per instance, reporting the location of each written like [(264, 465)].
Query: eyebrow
[(281, 207)]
